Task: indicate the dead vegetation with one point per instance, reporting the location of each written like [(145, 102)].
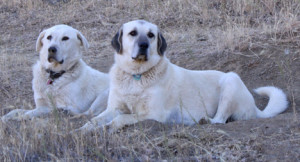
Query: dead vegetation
[(258, 39)]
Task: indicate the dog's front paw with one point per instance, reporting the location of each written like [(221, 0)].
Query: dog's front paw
[(216, 121), (79, 116), (204, 121), (87, 128), (110, 127), (18, 115)]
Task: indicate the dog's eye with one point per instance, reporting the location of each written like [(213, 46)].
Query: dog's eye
[(133, 33), (150, 35), (65, 38), (49, 37)]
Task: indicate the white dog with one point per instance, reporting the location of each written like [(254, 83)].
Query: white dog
[(61, 79), (145, 85)]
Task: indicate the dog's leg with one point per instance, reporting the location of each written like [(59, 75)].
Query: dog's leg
[(98, 121), (22, 114), (37, 112), (223, 112), (42, 108), (132, 118), (122, 120), (70, 110), (230, 86), (98, 105), (14, 115), (235, 100)]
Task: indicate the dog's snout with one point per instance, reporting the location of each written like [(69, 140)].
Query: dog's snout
[(142, 52), (52, 50), (143, 45), (52, 55)]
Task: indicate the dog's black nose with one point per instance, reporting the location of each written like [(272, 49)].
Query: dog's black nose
[(52, 50), (143, 45)]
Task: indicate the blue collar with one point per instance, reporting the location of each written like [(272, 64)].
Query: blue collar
[(137, 76)]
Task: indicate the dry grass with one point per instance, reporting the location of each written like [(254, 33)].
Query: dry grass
[(194, 29)]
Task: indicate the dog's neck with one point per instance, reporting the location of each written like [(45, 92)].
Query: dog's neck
[(151, 72), (55, 75), (137, 76)]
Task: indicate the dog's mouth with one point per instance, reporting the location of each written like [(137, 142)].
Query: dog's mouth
[(52, 59), (141, 56)]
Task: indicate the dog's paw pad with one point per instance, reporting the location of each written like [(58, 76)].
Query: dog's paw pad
[(110, 128), (204, 121)]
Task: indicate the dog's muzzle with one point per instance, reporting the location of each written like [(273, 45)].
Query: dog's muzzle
[(52, 51), (143, 52)]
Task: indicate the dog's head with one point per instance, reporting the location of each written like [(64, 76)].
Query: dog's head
[(60, 46), (139, 45)]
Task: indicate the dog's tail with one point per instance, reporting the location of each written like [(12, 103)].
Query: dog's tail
[(277, 101)]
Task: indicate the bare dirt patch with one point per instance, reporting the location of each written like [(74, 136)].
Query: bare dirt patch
[(258, 40)]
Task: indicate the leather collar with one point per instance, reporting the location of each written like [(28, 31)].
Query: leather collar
[(53, 75)]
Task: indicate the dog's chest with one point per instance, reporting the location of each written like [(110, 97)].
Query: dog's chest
[(56, 87), (61, 93), (133, 93), (136, 104), (57, 93), (129, 86)]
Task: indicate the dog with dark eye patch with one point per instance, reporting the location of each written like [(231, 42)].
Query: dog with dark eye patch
[(61, 79), (145, 85)]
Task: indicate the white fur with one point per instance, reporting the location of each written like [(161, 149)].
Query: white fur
[(80, 90), (169, 93)]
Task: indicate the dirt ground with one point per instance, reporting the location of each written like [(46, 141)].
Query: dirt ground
[(194, 42)]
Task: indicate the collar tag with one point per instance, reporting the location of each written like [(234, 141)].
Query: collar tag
[(137, 76), (53, 75), (50, 81)]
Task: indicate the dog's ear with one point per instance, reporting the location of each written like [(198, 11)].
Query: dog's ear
[(39, 43), (161, 44), (83, 41), (116, 42)]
